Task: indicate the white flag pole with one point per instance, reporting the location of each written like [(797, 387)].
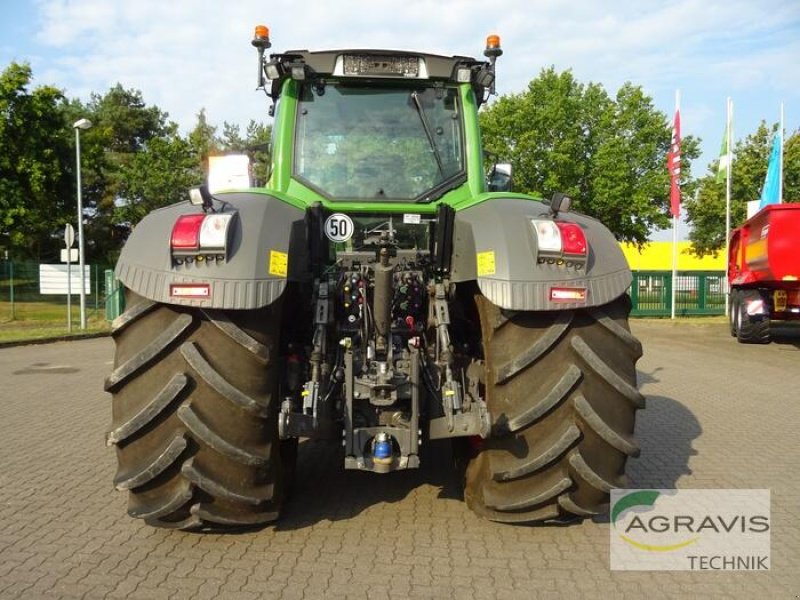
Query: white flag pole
[(729, 136), (780, 162), (675, 224)]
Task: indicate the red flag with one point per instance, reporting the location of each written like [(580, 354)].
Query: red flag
[(674, 167)]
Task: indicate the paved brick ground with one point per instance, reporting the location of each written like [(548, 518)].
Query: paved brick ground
[(719, 415)]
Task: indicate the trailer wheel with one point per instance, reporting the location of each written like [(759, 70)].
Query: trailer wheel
[(194, 415), (561, 391), (751, 330), (733, 312)]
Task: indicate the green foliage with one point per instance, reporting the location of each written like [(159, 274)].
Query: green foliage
[(158, 175), (791, 168), (256, 144), (706, 211), (116, 151), (36, 176), (203, 138), (608, 154), (133, 160)]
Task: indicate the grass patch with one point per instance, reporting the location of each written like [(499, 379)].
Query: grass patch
[(689, 320), (46, 310), (42, 320), (20, 331)]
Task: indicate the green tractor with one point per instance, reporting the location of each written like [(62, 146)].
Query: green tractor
[(381, 290)]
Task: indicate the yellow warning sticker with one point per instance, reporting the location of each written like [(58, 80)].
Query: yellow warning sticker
[(278, 263), (780, 300), (486, 265)]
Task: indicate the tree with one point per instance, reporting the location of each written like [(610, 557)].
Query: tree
[(232, 140), (203, 139), (133, 160), (791, 168), (37, 191), (157, 175), (123, 126), (255, 144), (706, 210), (608, 154), (258, 145), (124, 176)]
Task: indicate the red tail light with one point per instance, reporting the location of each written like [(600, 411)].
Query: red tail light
[(186, 232), (201, 237), (573, 241)]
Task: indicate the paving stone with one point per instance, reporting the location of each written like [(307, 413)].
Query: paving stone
[(719, 415)]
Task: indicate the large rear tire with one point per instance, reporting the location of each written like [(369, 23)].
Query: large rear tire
[(750, 330), (194, 415), (561, 391)]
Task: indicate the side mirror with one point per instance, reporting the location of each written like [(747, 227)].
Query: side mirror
[(560, 203), (500, 178)]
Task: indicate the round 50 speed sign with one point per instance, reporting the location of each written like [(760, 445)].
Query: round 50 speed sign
[(339, 227)]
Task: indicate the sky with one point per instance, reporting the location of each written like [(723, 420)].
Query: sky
[(184, 55)]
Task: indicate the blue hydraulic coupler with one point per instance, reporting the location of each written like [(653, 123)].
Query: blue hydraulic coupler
[(382, 449)]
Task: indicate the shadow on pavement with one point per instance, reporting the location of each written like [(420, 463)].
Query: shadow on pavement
[(323, 490), (665, 430), (643, 378), (785, 334)]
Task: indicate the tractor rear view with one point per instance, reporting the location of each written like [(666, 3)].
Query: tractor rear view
[(377, 294), (764, 272)]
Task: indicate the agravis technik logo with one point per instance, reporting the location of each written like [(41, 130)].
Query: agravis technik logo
[(643, 498), (690, 530)]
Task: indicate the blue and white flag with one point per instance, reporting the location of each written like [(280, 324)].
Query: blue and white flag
[(771, 192)]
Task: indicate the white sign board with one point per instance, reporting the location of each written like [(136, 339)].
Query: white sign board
[(228, 172), (53, 279), (73, 255), (69, 235)]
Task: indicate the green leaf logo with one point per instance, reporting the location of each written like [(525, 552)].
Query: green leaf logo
[(643, 498), (639, 498)]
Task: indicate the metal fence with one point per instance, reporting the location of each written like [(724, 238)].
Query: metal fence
[(696, 293), (21, 300)]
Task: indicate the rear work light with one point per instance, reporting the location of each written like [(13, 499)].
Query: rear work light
[(548, 236), (201, 237), (561, 243)]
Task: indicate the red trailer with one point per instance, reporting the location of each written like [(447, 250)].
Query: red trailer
[(764, 272)]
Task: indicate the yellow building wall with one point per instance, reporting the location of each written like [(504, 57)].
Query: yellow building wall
[(657, 256)]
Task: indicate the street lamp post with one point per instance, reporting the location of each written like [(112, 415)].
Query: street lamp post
[(78, 125)]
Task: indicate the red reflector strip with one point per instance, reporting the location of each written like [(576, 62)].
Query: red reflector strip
[(568, 294), (573, 241), (190, 290), (186, 232)]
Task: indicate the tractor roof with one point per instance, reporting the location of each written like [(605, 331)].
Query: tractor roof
[(327, 62)]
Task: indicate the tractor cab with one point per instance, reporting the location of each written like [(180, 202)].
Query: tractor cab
[(375, 125)]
